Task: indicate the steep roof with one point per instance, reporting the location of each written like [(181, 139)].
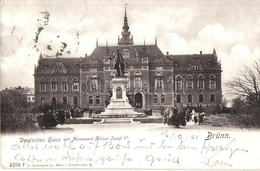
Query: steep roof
[(136, 51), (47, 64), (203, 61)]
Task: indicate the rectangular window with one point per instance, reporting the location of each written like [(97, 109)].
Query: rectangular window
[(189, 99), (159, 82), (178, 98), (201, 85), (212, 84), (75, 101), (53, 86), (162, 98), (90, 100), (65, 86), (155, 98), (94, 85), (97, 100), (138, 82), (65, 100), (43, 87), (75, 86), (201, 98), (178, 83), (212, 98), (189, 85)]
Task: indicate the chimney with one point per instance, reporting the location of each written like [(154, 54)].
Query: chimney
[(200, 52), (86, 55), (167, 53)]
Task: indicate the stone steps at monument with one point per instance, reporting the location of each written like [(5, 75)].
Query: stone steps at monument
[(116, 120)]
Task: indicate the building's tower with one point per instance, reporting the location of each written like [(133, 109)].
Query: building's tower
[(125, 40)]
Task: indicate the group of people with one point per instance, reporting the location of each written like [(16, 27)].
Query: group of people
[(179, 116), (195, 117)]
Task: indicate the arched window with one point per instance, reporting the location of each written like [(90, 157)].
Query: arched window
[(90, 100), (178, 83), (64, 84), (53, 85), (138, 74), (189, 82), (155, 98), (75, 84), (159, 81), (43, 85), (201, 82), (144, 60), (75, 101), (162, 98), (201, 98), (189, 98), (97, 99), (65, 101), (178, 98), (212, 98), (212, 82), (53, 101)]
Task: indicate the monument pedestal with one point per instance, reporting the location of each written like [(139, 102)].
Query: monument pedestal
[(119, 106)]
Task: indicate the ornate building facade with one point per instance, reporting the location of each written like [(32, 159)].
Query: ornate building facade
[(154, 79)]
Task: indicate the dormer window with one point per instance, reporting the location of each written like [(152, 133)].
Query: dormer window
[(209, 62), (176, 64), (195, 67), (144, 60), (77, 66), (107, 61)]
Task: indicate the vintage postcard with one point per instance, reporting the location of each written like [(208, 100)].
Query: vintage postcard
[(130, 85)]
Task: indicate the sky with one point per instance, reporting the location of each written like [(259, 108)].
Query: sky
[(232, 27)]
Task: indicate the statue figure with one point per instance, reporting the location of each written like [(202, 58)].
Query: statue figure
[(119, 65)]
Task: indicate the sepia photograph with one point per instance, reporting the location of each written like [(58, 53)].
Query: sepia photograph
[(130, 85)]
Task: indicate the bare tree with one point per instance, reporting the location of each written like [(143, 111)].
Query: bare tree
[(247, 85)]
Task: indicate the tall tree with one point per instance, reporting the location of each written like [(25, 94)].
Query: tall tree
[(247, 84)]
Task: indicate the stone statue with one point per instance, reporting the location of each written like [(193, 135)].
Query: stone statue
[(119, 65)]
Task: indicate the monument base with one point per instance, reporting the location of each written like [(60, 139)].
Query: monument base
[(119, 106)]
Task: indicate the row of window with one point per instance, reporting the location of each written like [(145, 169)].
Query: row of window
[(189, 82), (159, 83), (178, 98), (64, 85), (91, 100), (201, 98), (54, 86)]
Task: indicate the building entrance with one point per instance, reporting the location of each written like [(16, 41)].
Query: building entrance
[(138, 100)]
